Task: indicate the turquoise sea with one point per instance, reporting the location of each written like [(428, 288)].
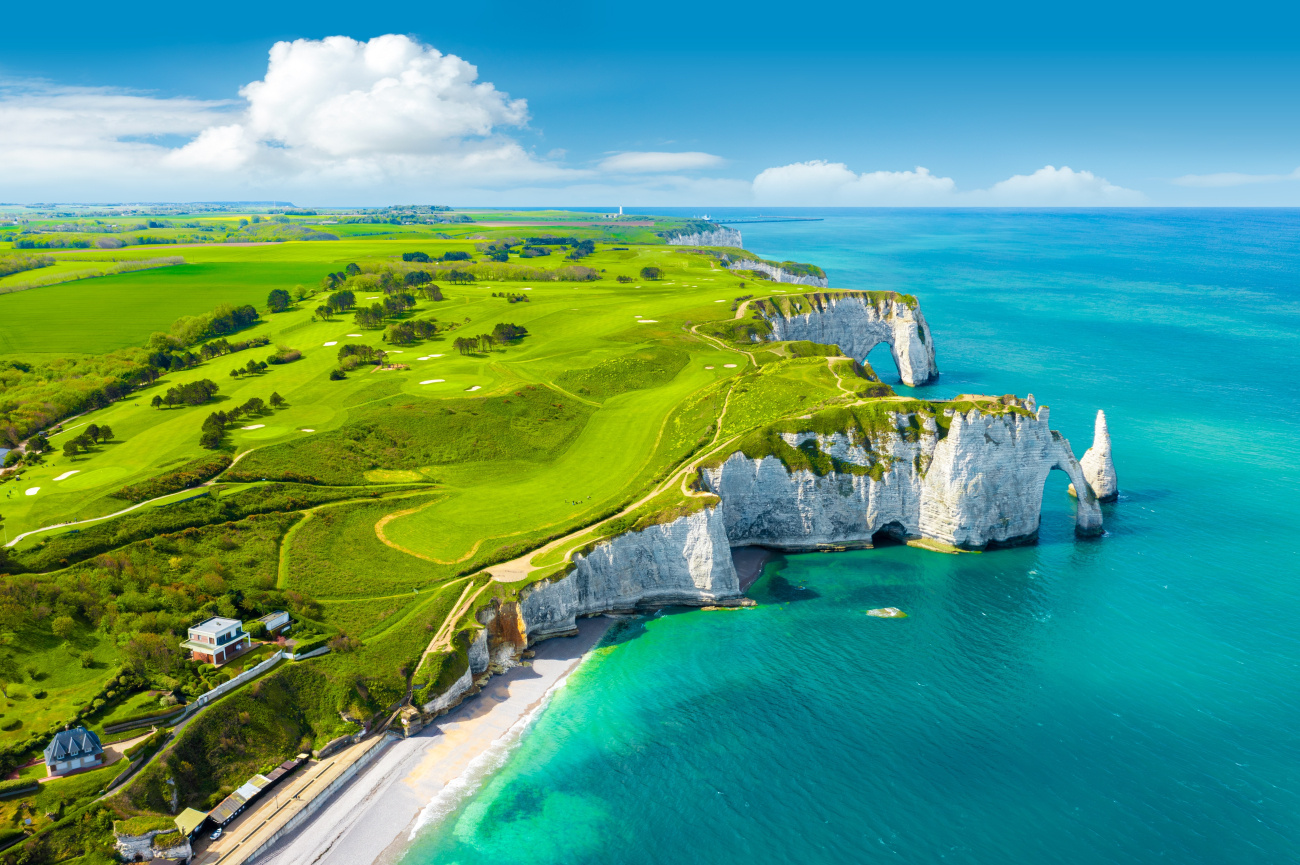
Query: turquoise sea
[(1132, 699)]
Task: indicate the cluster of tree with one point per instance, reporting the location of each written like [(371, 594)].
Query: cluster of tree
[(460, 277), (190, 393), (622, 278), (10, 264), (279, 300), (422, 257), (214, 426), (52, 243), (253, 367), (406, 332), (455, 255), (501, 334), (221, 347), (283, 354), (89, 437), (651, 273), (582, 250), (552, 240), (191, 330), (363, 353), (533, 252), (393, 306), (511, 298)]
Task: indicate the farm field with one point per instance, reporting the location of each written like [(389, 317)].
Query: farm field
[(367, 462)]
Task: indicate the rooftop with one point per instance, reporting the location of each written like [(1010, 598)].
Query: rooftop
[(215, 625), (76, 742)]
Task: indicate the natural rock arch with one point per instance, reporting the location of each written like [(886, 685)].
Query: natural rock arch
[(857, 323)]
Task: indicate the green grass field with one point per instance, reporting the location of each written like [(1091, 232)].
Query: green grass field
[(366, 504)]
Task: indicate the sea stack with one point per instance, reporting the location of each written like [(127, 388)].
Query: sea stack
[(1098, 467)]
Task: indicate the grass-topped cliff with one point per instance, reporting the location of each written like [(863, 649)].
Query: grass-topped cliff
[(418, 403)]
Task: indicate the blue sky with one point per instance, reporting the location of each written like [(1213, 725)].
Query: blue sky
[(575, 103)]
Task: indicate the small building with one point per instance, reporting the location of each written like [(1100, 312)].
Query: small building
[(71, 750), (275, 623), (216, 640), (190, 821)]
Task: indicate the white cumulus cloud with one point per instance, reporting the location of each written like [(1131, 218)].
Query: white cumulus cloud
[(833, 184), (1232, 178), (830, 184), (656, 162), (329, 113), (1058, 187)]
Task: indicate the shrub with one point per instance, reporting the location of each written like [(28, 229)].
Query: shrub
[(337, 375), (191, 474), (8, 788), (284, 354)]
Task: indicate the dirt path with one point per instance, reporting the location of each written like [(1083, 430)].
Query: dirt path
[(384, 539), (442, 639)]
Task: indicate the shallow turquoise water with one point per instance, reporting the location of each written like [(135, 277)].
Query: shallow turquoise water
[(1127, 700)]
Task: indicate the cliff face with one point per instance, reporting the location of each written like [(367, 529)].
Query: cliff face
[(857, 324), (779, 274), (686, 561), (981, 484), (718, 237)]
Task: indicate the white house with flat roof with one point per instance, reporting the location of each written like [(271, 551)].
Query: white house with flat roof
[(216, 640)]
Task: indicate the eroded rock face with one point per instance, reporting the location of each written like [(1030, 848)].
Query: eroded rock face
[(686, 561), (1098, 466), (718, 237), (857, 325), (779, 274), (451, 696), (478, 652), (981, 484)]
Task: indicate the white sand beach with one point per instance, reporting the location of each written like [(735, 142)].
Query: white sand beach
[(424, 777)]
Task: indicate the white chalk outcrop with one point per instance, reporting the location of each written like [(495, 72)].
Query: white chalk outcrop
[(981, 484), (1098, 466), (857, 324), (685, 561), (718, 237), (780, 274)]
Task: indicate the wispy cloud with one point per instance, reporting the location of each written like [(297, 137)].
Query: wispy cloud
[(833, 183), (1232, 178), (658, 162)]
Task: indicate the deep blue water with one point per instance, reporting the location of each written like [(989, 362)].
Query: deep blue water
[(1132, 699)]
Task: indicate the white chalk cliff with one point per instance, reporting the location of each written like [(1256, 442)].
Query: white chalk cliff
[(981, 484), (718, 237), (857, 324), (779, 274), (686, 561), (1098, 466)]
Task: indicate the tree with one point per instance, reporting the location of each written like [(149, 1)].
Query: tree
[(276, 400), (234, 373), (300, 292), (251, 367), (325, 312), (71, 449), (106, 433), (651, 273), (352, 269), (63, 627), (93, 432), (157, 401), (39, 443), (278, 300), (88, 660)]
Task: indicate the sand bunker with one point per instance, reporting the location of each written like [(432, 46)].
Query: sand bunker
[(254, 426), (335, 342), (33, 491), (307, 430), (354, 334), (729, 365), (648, 321), (708, 367), (433, 380), (66, 475), (475, 387)]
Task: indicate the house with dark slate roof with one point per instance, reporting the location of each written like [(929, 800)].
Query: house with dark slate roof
[(71, 750)]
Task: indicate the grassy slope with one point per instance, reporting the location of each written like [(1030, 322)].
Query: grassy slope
[(653, 392)]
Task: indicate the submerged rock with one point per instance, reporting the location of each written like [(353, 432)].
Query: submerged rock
[(887, 613)]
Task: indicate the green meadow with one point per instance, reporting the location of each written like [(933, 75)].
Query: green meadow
[(366, 499)]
